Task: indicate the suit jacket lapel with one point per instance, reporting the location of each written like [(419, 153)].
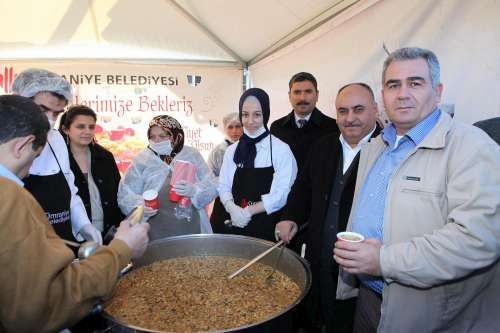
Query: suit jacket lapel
[(331, 164), (353, 168)]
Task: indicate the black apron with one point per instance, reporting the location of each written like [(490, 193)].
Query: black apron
[(249, 184), (165, 224), (53, 194)]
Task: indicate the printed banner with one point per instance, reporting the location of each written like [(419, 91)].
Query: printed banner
[(126, 97)]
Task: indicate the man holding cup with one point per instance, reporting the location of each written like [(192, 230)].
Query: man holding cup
[(322, 195), (428, 203)]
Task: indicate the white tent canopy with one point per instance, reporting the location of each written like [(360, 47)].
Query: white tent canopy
[(465, 35), (161, 31), (339, 41)]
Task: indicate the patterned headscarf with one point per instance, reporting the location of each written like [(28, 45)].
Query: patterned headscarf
[(170, 124)]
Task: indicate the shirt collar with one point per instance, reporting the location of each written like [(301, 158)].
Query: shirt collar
[(297, 117), (4, 172), (314, 118), (361, 142), (417, 133)]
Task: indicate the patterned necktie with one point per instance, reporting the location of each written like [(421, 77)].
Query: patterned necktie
[(301, 122)]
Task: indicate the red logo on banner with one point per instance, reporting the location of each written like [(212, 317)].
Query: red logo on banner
[(6, 78)]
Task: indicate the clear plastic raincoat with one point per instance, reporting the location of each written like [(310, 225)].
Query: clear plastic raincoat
[(149, 172)]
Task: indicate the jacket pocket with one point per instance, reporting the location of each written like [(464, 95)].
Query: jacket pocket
[(423, 192)]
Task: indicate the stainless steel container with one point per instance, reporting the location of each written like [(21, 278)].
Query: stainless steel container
[(290, 264)]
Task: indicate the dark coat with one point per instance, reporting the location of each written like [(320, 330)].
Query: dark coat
[(300, 140), (106, 177), (491, 127), (309, 201), (310, 195)]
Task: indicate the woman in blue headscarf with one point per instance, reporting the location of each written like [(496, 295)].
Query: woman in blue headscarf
[(256, 175)]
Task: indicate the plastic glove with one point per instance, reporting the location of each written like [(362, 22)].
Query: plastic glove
[(239, 216), (90, 233), (185, 188)]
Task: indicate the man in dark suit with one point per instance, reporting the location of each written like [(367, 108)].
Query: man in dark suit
[(305, 124), (302, 127), (491, 127), (322, 195)]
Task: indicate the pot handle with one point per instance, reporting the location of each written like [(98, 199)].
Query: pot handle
[(99, 308), (107, 329), (96, 310)]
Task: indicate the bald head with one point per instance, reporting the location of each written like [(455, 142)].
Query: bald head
[(356, 112)]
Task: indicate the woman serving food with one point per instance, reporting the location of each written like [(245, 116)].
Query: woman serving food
[(256, 175), (151, 170)]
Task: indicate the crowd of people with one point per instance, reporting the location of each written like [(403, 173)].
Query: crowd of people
[(423, 191)]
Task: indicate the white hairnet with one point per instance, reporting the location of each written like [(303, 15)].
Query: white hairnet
[(229, 118), (31, 81)]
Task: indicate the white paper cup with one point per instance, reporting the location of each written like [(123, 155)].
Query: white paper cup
[(349, 236), (151, 199)]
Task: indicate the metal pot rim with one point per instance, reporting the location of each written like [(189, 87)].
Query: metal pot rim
[(301, 296)]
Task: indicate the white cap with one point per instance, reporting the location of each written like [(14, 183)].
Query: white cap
[(31, 81)]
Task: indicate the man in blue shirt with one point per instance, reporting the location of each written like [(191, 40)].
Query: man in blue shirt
[(428, 203), (23, 135)]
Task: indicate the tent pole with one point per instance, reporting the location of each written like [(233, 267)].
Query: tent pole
[(245, 77)]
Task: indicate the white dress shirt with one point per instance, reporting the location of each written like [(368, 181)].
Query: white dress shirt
[(297, 118), (349, 153), (46, 165), (285, 172)]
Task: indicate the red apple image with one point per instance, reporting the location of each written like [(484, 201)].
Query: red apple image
[(129, 131), (123, 165), (116, 134)]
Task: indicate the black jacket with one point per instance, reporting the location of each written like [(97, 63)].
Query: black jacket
[(106, 177), (310, 195), (300, 140), (491, 127)]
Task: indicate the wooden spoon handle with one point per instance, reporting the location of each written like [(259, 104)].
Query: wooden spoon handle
[(136, 215), (254, 260)]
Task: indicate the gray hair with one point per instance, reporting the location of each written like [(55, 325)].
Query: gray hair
[(31, 81), (228, 118), (412, 53)]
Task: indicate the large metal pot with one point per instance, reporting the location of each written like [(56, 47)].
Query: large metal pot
[(226, 245)]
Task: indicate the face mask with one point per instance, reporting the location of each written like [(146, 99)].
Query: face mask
[(256, 133), (162, 148)]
